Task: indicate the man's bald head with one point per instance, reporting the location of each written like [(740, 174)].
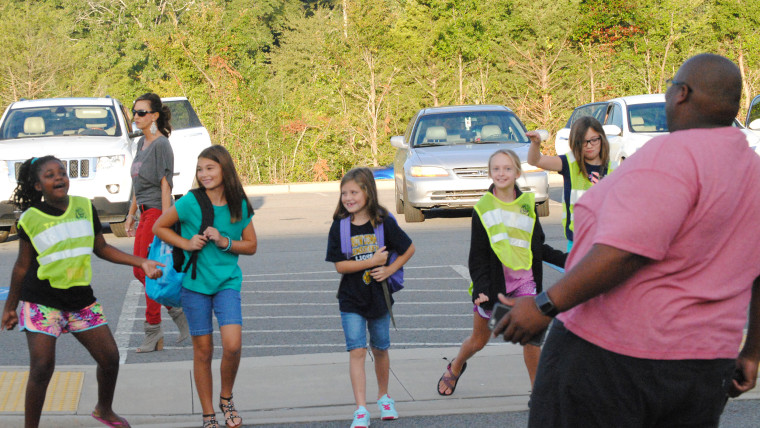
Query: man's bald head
[(706, 95)]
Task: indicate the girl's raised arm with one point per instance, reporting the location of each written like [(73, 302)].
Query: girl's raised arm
[(535, 158)]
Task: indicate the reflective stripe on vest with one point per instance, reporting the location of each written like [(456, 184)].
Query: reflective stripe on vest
[(509, 227), (64, 243), (578, 186)]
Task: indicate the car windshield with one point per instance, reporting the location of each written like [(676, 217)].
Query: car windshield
[(60, 120), (647, 117), (596, 111), (449, 129), (183, 115)]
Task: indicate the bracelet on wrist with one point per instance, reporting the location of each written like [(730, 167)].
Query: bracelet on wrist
[(229, 244)]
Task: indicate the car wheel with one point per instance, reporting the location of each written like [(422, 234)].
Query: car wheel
[(119, 230), (411, 214), (542, 208), (399, 202), (5, 231)]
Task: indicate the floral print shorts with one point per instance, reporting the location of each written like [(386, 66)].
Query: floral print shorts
[(54, 322)]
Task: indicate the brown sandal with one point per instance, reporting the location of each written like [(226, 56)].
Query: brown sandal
[(450, 380), (229, 412)]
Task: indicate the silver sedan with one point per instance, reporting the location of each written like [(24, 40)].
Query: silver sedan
[(442, 158)]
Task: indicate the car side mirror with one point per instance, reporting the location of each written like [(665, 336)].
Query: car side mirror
[(612, 130), (754, 125), (135, 134), (398, 142)]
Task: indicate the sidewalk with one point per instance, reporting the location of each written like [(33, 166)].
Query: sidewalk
[(305, 388), (302, 388)]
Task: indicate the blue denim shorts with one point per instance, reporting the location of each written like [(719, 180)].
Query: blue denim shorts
[(198, 307), (355, 330)]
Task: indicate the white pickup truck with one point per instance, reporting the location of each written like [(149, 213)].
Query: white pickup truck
[(95, 140)]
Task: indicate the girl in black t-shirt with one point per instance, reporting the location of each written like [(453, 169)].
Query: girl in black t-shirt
[(360, 295)]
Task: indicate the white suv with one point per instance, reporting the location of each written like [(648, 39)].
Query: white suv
[(188, 139), (92, 138), (630, 122)]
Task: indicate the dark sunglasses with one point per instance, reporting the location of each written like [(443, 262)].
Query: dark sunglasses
[(140, 113)]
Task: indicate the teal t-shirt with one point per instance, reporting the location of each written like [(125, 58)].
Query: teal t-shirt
[(217, 270)]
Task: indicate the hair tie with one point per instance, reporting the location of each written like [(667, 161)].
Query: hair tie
[(33, 161)]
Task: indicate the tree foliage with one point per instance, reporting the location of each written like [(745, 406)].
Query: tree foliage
[(303, 90)]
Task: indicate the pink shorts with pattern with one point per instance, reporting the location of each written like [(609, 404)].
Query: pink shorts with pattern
[(54, 322), (524, 289)]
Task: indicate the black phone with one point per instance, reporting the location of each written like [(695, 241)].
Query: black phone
[(499, 311)]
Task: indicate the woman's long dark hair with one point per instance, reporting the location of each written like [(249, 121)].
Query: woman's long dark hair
[(364, 178), (577, 139), (233, 188), (25, 195), (163, 123)]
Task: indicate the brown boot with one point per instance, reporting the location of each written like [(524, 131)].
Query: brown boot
[(178, 315), (154, 338)]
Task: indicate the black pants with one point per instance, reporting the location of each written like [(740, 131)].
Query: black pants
[(579, 384)]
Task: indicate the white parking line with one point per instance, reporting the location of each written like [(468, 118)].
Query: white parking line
[(334, 330), (333, 271), (126, 320), (406, 290), (455, 278)]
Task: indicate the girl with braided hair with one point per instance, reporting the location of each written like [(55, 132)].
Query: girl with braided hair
[(51, 278)]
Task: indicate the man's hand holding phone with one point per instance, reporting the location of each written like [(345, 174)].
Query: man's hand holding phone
[(513, 318)]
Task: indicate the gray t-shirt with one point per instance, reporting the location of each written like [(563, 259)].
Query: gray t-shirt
[(149, 167)]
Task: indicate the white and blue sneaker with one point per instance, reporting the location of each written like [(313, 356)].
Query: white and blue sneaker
[(361, 418), (387, 408)]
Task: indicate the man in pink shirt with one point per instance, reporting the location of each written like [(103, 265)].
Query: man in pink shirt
[(665, 264)]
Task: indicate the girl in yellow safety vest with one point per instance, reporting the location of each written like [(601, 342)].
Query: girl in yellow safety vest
[(587, 142), (506, 254), (58, 234)]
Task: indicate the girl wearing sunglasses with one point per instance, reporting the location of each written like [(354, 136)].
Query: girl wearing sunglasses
[(587, 142), (152, 172)]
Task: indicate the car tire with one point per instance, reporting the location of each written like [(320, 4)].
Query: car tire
[(542, 208), (399, 202), (411, 214), (5, 231), (119, 230)]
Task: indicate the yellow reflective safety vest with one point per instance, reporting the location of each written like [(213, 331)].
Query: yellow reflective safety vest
[(64, 243), (578, 186), (509, 227)]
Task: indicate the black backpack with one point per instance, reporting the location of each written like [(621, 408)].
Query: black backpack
[(207, 220)]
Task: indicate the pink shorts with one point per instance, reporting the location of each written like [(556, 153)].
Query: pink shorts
[(54, 322), (525, 289)]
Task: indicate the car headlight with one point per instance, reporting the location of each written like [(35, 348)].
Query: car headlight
[(428, 171), (526, 167), (106, 162)]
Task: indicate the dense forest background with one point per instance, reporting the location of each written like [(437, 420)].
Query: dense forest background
[(303, 90)]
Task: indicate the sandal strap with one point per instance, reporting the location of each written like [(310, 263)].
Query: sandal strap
[(210, 423), (228, 410)]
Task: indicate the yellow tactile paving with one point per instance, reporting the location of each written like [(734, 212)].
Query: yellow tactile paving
[(62, 394)]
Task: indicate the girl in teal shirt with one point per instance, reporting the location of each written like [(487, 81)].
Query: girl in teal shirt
[(216, 286)]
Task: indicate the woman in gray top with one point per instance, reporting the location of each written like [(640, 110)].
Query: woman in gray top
[(152, 172)]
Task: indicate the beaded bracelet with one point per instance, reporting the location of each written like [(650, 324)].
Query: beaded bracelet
[(229, 244)]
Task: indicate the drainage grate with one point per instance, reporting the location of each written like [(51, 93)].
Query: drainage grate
[(63, 391)]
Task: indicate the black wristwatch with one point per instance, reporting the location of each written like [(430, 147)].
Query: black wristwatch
[(545, 305)]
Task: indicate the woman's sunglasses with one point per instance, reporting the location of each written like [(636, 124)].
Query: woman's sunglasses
[(141, 113)]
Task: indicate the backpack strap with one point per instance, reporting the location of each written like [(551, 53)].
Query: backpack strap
[(207, 220), (345, 237)]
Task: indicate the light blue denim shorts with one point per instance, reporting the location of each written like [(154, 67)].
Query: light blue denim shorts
[(355, 329), (198, 307)]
